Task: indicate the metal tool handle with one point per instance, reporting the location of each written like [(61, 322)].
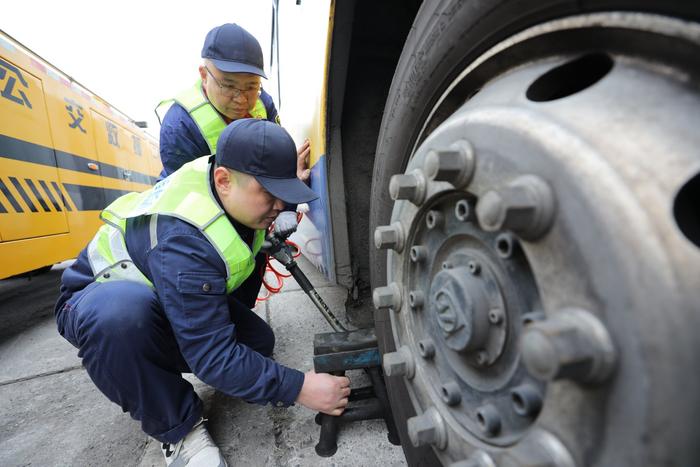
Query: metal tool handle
[(278, 249)]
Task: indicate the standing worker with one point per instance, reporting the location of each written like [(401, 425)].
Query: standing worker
[(150, 297), (229, 89)]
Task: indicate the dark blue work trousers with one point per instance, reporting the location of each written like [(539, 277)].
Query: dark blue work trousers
[(129, 351)]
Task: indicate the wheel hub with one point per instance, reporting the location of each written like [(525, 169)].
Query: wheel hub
[(509, 279)]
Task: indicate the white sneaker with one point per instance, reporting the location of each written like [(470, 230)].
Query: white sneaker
[(194, 450)]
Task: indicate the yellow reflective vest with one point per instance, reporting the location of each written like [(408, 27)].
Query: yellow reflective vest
[(186, 194), (207, 118)]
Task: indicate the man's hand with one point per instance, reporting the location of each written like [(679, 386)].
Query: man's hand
[(286, 224), (324, 393), (303, 152)]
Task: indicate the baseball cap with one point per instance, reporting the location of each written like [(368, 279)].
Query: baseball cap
[(233, 49), (266, 151)]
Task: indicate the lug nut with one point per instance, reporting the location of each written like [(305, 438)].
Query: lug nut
[(389, 237), (525, 206), (451, 393), (434, 219), (527, 400), (426, 348), (411, 187), (454, 164), (418, 253), (489, 419), (387, 297), (416, 298), (474, 267), (427, 429), (399, 363), (572, 344)]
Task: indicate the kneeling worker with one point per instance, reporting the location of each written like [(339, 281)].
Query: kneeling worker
[(149, 297)]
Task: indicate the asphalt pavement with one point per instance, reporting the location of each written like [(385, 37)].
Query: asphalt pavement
[(52, 415)]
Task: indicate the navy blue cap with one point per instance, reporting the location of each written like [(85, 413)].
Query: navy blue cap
[(233, 49), (266, 151)]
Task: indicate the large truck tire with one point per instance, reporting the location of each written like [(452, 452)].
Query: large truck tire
[(538, 264)]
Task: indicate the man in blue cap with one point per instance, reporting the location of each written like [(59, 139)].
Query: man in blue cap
[(150, 297), (229, 88)]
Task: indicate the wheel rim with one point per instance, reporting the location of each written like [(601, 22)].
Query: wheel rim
[(510, 285)]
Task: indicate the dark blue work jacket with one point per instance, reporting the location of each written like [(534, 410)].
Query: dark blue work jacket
[(200, 321)]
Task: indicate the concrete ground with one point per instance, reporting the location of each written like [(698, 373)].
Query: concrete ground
[(52, 415)]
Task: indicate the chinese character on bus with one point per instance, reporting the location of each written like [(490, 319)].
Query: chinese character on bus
[(137, 145), (9, 91), (75, 112), (112, 133)]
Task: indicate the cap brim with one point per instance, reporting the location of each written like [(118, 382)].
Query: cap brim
[(289, 190), (237, 67)]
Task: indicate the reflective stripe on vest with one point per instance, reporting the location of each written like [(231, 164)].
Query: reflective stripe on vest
[(186, 194), (207, 118)]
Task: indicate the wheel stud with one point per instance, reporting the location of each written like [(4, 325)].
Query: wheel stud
[(489, 419), (504, 245), (416, 299), (434, 219), (474, 267), (427, 429), (464, 210), (389, 237), (418, 253), (573, 344), (496, 316), (525, 206), (387, 297), (426, 348), (451, 393), (409, 186), (454, 164), (527, 400)]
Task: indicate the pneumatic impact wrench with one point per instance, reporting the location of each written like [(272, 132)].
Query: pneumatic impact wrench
[(276, 246)]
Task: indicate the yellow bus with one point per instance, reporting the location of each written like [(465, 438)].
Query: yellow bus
[(515, 186), (64, 155)]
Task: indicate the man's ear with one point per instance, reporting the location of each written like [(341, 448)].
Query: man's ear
[(222, 180), (203, 73)]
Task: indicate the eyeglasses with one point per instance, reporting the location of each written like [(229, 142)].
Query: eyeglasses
[(228, 90)]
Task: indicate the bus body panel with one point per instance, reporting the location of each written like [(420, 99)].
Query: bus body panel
[(64, 155), (302, 105)]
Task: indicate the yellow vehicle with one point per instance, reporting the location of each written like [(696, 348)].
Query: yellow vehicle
[(64, 155)]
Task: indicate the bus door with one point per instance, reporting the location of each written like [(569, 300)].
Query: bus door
[(79, 170), (31, 201)]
